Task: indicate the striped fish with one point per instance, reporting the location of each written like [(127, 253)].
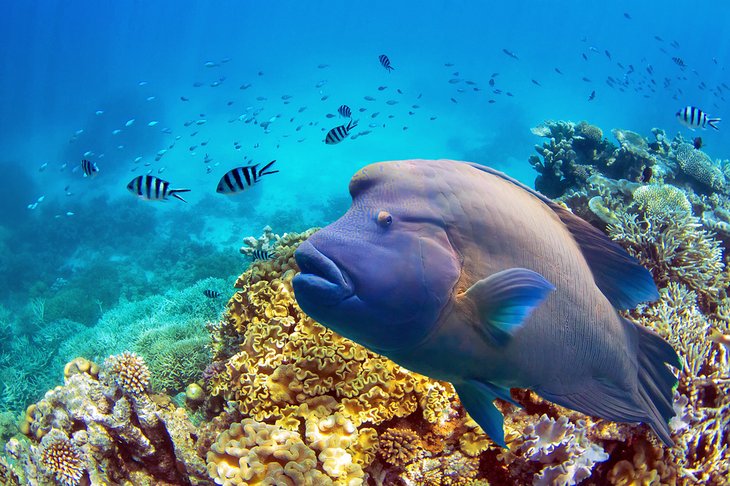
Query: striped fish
[(211, 294), (338, 134), (238, 179), (692, 117), (153, 188), (89, 168), (261, 254), (385, 62), (344, 111)]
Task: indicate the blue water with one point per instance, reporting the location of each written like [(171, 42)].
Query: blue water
[(89, 244)]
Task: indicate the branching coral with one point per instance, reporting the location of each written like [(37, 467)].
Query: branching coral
[(674, 248), (61, 458), (130, 372), (399, 447)]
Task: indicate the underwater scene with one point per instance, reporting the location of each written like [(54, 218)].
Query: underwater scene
[(370, 243)]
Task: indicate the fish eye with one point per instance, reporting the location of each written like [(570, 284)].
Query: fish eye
[(384, 218)]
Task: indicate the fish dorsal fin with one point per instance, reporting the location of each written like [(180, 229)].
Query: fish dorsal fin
[(618, 275), (621, 278), (505, 299)]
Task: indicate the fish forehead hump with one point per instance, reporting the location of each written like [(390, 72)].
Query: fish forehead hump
[(460, 192)]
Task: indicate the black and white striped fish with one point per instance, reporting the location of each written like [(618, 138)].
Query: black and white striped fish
[(153, 188), (344, 111), (261, 254), (211, 294), (89, 168), (240, 178), (385, 62), (338, 134), (692, 117)]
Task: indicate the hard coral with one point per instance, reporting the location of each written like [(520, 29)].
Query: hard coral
[(286, 360), (698, 166), (674, 248), (121, 436), (662, 199), (129, 371), (399, 447), (255, 453), (61, 458)]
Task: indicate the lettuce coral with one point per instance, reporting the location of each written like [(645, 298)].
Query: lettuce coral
[(251, 452)]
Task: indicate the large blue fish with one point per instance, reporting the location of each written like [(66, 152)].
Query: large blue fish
[(458, 272)]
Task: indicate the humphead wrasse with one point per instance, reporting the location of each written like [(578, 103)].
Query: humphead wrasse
[(458, 272)]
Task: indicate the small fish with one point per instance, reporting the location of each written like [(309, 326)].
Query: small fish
[(585, 58), (453, 100), (592, 95), (210, 64), (385, 62), (627, 16), (129, 122), (679, 62), (182, 98), (454, 80), (608, 54), (151, 98), (344, 111), (322, 66), (536, 83), (43, 167), (697, 142), (491, 81), (152, 123), (238, 179), (89, 168), (511, 54), (381, 88), (391, 102), (197, 84), (211, 294), (101, 112), (245, 86), (692, 117), (153, 188), (338, 134), (262, 255), (320, 83), (369, 98)]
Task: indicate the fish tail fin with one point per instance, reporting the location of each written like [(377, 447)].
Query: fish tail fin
[(263, 172), (656, 380), (651, 400), (174, 193), (352, 124), (712, 121)]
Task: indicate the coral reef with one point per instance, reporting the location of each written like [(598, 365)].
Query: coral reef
[(106, 429), (279, 399)]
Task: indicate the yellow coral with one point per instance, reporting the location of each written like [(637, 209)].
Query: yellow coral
[(287, 360), (661, 199), (129, 371), (254, 453), (62, 459), (400, 446)]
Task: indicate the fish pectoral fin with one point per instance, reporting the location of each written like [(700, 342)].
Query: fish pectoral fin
[(477, 398), (505, 300)]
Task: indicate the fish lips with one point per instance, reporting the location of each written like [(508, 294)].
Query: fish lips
[(321, 282)]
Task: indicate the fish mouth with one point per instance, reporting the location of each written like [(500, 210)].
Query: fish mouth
[(321, 281)]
